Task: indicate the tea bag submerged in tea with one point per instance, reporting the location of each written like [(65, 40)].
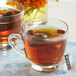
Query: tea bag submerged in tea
[(30, 32), (9, 13), (39, 37), (4, 16), (7, 20), (36, 38)]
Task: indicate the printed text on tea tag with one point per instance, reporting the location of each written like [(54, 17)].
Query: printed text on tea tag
[(68, 62)]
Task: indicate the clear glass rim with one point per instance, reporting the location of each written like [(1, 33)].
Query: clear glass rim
[(26, 24), (15, 14)]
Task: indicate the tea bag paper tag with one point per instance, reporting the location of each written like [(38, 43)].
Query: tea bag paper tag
[(68, 63)]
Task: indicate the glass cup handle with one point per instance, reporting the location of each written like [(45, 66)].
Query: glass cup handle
[(16, 42)]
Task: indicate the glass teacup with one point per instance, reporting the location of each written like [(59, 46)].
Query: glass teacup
[(45, 43), (11, 21)]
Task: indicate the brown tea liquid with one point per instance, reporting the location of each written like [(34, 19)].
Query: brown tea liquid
[(43, 51), (10, 22)]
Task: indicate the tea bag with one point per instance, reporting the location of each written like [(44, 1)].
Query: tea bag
[(9, 13), (5, 17), (35, 39), (7, 21), (41, 35)]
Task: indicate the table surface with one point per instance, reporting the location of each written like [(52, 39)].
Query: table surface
[(12, 64)]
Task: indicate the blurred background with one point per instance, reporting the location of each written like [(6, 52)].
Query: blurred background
[(64, 10)]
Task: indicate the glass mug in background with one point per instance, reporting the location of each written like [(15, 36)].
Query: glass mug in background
[(11, 21), (45, 43)]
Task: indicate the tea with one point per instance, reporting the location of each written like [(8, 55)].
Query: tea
[(10, 22), (45, 46)]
